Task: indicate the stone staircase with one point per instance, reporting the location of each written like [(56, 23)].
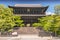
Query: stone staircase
[(27, 30), (32, 30), (43, 33)]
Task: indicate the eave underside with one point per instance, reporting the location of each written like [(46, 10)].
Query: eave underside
[(44, 8), (29, 15)]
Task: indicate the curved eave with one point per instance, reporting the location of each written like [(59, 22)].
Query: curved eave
[(25, 7), (45, 8)]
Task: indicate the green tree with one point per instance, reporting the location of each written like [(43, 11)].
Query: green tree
[(7, 19), (46, 22), (57, 9), (50, 23), (18, 21)]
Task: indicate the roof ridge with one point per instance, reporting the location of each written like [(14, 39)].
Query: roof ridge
[(28, 5)]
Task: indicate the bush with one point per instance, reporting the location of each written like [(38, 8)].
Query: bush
[(51, 23), (8, 20), (18, 21), (36, 24), (22, 25)]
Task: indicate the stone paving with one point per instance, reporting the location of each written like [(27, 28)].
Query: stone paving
[(28, 37)]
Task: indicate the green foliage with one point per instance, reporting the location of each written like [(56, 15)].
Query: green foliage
[(7, 19), (50, 23), (22, 25), (57, 9), (18, 21), (10, 30), (36, 24)]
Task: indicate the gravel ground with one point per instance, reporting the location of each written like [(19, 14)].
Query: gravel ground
[(28, 37)]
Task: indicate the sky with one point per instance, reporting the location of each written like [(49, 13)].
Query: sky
[(50, 3)]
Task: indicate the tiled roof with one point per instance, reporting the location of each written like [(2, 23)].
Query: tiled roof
[(28, 5)]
